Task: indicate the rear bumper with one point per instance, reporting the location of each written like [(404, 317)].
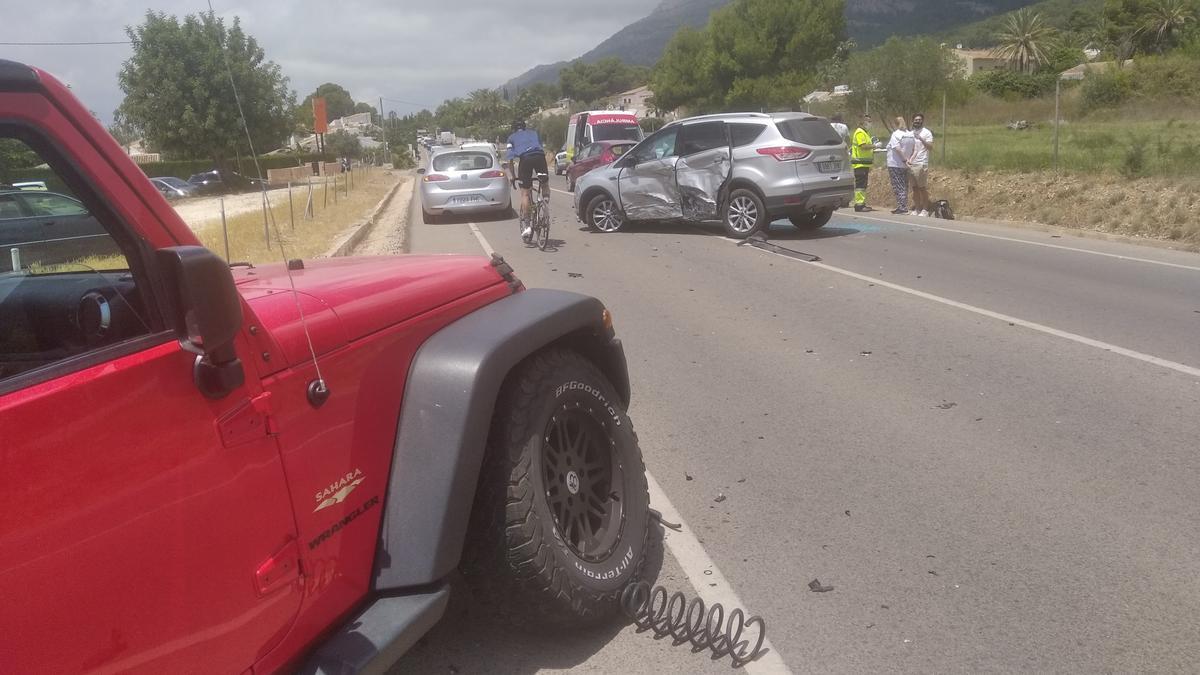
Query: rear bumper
[(814, 200), (379, 635), (491, 198)]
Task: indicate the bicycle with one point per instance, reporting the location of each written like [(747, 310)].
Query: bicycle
[(539, 219)]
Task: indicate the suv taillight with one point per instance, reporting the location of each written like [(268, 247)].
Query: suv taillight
[(788, 153), (436, 178), (492, 174)]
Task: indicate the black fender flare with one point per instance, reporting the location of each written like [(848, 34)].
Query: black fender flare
[(449, 399)]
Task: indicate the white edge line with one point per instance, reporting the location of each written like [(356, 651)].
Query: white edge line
[(487, 248), (691, 556), (701, 571), (1146, 358), (1025, 241)]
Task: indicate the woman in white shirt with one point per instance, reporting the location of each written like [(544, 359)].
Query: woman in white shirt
[(899, 151)]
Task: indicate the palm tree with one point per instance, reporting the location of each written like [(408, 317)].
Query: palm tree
[(1025, 39), (1166, 17)]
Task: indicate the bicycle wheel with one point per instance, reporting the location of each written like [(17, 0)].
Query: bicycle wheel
[(543, 226)]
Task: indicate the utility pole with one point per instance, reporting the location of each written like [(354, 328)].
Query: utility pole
[(386, 152), (1057, 93)]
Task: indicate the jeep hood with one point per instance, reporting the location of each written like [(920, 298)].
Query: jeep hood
[(344, 299)]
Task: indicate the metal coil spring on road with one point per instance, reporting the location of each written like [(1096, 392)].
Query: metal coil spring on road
[(652, 609)]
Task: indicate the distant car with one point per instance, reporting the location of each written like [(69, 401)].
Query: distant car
[(221, 182), (479, 145), (595, 156), (561, 162), (48, 228), (463, 181), (173, 188), (743, 170)]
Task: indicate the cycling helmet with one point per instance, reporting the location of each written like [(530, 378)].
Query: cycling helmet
[(518, 125)]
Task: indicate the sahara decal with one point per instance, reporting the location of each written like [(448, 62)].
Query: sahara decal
[(339, 490)]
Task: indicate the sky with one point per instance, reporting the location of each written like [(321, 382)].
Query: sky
[(418, 51)]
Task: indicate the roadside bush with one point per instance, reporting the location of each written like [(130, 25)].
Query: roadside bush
[(403, 160), (652, 124), (1133, 162), (1105, 89), (1175, 76), (1011, 85)]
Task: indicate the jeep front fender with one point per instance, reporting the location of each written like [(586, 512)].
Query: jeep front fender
[(447, 412)]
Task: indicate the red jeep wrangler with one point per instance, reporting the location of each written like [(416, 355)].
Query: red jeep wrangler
[(278, 467)]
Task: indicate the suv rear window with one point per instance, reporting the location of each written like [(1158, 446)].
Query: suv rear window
[(462, 161), (809, 131)]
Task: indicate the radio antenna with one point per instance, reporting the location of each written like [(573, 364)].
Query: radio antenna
[(321, 388)]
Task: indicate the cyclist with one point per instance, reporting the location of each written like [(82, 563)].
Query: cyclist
[(524, 145)]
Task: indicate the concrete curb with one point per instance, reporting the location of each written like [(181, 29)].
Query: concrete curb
[(350, 240)]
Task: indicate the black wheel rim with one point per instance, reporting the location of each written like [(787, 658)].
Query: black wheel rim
[(583, 480)]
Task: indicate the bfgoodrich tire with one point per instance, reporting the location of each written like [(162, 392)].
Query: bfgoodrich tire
[(561, 520)]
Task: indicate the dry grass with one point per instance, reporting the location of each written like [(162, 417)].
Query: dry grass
[(248, 239), (1162, 208)]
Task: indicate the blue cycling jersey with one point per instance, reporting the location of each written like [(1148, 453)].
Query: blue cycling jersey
[(524, 142)]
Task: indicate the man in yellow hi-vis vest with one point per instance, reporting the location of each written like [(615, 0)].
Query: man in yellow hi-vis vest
[(862, 156)]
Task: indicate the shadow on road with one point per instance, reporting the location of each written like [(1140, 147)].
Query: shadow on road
[(778, 230), (469, 639)]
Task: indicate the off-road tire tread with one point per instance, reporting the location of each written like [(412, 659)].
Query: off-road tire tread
[(509, 561)]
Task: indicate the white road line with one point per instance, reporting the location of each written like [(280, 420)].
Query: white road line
[(487, 248), (706, 578), (1146, 358), (691, 556), (561, 192), (1025, 241)]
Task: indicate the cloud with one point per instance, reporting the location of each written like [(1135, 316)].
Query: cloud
[(422, 51)]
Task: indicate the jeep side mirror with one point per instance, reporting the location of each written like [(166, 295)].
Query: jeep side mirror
[(207, 315)]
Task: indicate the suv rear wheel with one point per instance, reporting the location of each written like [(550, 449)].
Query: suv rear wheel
[(812, 221), (561, 520), (745, 214)]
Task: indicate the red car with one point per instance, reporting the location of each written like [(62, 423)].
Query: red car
[(594, 156), (281, 468)]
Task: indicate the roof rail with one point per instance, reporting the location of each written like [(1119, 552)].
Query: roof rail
[(740, 115)]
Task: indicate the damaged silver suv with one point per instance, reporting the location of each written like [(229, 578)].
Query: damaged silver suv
[(744, 170)]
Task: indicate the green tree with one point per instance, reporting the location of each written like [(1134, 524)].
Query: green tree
[(752, 54), (904, 77), (683, 76), (177, 87), (338, 104), (1166, 19), (589, 82), (552, 129), (1025, 40), (766, 52), (343, 144)]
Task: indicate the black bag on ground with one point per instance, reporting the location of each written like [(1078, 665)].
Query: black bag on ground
[(941, 209)]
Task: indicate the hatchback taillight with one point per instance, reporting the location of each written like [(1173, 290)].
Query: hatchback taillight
[(436, 178), (788, 153), (492, 174)]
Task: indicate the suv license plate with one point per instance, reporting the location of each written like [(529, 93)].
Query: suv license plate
[(829, 167)]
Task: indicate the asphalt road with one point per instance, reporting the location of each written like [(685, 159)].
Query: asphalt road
[(984, 438)]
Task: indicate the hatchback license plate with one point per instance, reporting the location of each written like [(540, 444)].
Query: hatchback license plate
[(466, 199), (829, 167)]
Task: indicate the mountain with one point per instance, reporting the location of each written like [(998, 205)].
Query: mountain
[(869, 22), (1064, 15), (640, 43)]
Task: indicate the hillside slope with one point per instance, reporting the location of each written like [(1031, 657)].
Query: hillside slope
[(869, 22), (1057, 13)]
